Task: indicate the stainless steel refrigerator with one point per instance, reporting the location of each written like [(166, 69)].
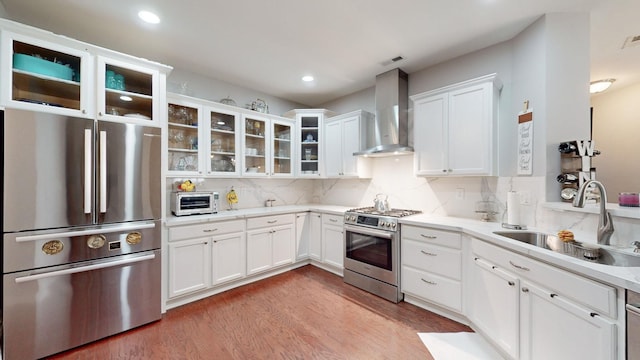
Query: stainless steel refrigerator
[(81, 231)]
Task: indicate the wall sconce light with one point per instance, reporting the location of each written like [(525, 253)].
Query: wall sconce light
[(600, 85)]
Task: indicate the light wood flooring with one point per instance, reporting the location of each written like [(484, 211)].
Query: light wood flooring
[(306, 313)]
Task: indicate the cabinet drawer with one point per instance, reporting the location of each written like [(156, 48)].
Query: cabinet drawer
[(432, 287), (439, 237), (594, 295), (264, 221), (208, 229), (432, 258), (332, 219)]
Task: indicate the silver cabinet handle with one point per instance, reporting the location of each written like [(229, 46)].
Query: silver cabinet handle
[(272, 221), (525, 290), (428, 236), (429, 282), (428, 253), (210, 230), (519, 267), (333, 220)]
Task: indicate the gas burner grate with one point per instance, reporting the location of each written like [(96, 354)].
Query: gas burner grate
[(391, 213)]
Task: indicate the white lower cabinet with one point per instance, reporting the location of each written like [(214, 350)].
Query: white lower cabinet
[(227, 257), (189, 266), (531, 310), (315, 236), (553, 327), (332, 240), (302, 235), (270, 242), (432, 266), (204, 255), (494, 307)]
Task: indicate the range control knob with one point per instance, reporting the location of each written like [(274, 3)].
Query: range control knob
[(353, 218), (381, 223), (393, 225), (388, 224)]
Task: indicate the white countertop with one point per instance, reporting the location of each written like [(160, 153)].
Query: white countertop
[(625, 277), (254, 212)]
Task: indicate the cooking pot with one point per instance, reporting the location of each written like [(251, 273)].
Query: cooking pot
[(381, 205)]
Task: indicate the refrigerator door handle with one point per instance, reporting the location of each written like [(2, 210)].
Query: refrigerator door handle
[(103, 171), (88, 134), (75, 270), (58, 235)]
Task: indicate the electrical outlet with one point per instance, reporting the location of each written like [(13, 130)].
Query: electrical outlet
[(460, 193), (525, 197)]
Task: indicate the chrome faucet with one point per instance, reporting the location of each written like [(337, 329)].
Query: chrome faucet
[(605, 224)]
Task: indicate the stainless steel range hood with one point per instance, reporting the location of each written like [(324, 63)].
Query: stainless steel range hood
[(390, 136)]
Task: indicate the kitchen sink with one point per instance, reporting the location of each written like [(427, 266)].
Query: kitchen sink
[(529, 237), (591, 253)]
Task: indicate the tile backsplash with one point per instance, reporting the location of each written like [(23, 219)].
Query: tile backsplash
[(450, 196)]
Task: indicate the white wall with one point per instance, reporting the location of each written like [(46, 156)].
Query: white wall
[(567, 87), (204, 87), (3, 11), (616, 127)]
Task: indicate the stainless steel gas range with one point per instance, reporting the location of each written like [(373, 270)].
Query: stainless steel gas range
[(372, 250)]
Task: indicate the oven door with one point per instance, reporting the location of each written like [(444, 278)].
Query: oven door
[(371, 252)]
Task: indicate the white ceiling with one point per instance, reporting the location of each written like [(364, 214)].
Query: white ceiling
[(269, 45)]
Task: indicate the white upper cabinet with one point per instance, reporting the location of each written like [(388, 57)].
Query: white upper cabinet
[(221, 143), (267, 146), (455, 129), (184, 132), (127, 90), (309, 141), (43, 71), (344, 135), (44, 76)]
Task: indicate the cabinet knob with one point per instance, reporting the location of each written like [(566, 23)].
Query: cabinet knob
[(511, 283), (553, 295), (525, 290), (84, 111), (444, 170), (100, 113), (206, 243)]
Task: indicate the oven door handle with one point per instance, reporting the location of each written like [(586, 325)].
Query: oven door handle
[(372, 232), (84, 268)]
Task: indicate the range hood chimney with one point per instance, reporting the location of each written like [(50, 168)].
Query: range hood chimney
[(390, 135)]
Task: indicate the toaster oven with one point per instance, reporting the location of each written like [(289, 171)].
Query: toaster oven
[(194, 202)]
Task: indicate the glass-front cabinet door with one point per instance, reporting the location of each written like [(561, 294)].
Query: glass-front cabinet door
[(255, 144), (183, 134), (42, 76), (282, 148), (126, 90), (224, 137), (309, 145)]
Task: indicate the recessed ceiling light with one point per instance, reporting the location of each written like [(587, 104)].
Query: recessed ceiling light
[(600, 85), (149, 17), (307, 78), (126, 98)]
